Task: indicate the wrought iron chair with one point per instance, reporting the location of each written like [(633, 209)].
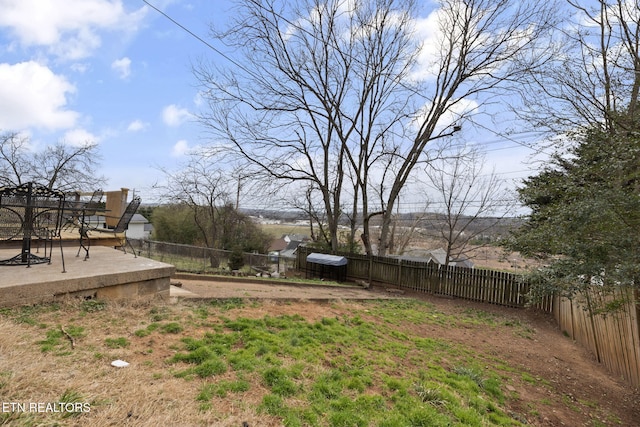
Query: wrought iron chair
[(79, 210), (119, 231)]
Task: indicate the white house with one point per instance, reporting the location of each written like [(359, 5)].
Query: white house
[(138, 227)]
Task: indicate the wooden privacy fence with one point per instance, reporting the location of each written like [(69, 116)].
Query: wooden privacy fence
[(612, 334), (494, 287)]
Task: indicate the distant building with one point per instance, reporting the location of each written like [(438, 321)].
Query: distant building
[(139, 227), (278, 245), (436, 256), (287, 245), (295, 238)]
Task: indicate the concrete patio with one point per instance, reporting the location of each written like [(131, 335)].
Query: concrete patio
[(108, 274)]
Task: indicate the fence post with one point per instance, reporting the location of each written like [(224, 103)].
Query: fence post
[(593, 325)]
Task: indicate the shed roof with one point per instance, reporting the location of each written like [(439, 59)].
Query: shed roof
[(325, 259)]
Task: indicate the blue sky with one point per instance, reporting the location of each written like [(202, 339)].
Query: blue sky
[(118, 73), (114, 72)]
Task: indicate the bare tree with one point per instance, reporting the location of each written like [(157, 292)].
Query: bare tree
[(486, 48), (15, 168), (68, 168), (315, 215), (317, 89), (402, 235), (468, 202), (331, 92), (594, 78), (202, 186), (60, 166)]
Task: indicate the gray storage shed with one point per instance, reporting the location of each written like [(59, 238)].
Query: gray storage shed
[(326, 266)]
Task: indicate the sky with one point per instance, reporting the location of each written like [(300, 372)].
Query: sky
[(118, 73), (113, 72)]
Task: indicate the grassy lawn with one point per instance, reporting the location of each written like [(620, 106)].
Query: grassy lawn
[(223, 362), (279, 230)]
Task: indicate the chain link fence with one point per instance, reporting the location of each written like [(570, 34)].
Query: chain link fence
[(198, 259)]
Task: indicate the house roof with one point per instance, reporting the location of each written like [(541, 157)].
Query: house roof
[(466, 262), (278, 245), (433, 255), (289, 250), (288, 253), (286, 246), (139, 219), (438, 256), (295, 238)]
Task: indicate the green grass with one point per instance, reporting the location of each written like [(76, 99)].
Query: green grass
[(30, 313), (347, 371), (120, 342), (224, 304), (373, 365), (91, 306), (171, 328), (187, 264), (58, 340), (72, 397)]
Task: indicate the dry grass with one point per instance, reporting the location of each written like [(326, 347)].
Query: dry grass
[(279, 230), (38, 363), (145, 393)]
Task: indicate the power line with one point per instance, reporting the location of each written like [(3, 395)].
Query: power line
[(301, 28), (197, 37), (508, 138)]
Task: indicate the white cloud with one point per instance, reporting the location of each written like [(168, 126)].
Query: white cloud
[(428, 32), (80, 137), (172, 115), (80, 67), (198, 99), (32, 95), (180, 148), (137, 125), (68, 28), (122, 66)]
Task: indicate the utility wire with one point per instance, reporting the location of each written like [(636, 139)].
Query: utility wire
[(197, 37), (239, 65), (508, 138), (302, 29)]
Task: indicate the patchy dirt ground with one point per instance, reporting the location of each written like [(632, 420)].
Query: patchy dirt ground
[(565, 387)]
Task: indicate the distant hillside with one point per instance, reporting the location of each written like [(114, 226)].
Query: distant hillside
[(426, 222)]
